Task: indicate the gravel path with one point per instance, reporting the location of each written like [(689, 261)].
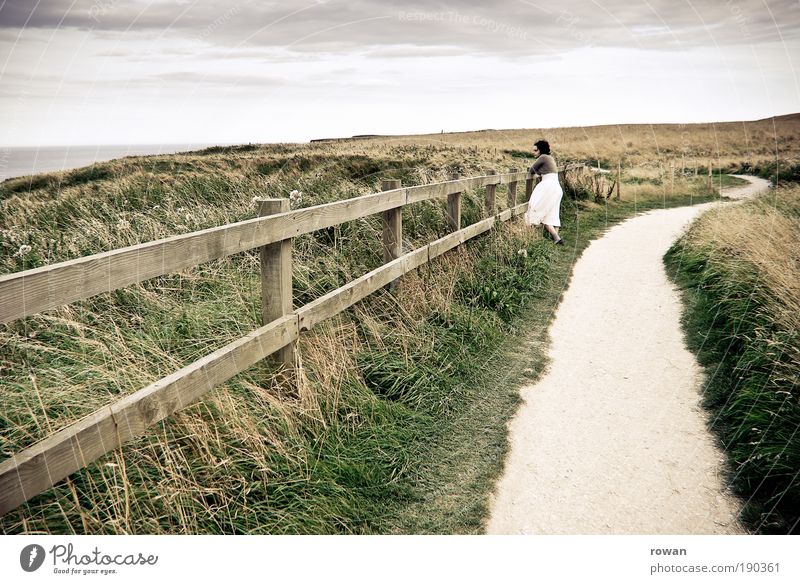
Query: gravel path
[(613, 440)]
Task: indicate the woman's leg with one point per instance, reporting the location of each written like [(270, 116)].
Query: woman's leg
[(553, 232)]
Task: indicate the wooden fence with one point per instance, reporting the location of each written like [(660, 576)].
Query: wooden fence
[(40, 466)]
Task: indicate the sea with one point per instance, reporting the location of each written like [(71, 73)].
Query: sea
[(26, 161)]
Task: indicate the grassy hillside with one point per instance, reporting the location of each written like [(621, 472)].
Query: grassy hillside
[(740, 268), (398, 424), (734, 146)]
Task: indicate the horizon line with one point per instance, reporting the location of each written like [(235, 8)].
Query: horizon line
[(211, 143)]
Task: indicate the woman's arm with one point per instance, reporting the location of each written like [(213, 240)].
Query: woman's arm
[(544, 164)]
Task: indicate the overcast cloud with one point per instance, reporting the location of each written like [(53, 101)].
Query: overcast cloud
[(503, 26), (141, 71)]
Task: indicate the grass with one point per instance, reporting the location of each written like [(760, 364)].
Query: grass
[(722, 180), (398, 423), (738, 267), (778, 171), (685, 147)]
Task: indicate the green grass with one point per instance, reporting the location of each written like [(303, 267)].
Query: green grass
[(399, 424), (741, 321), (784, 170), (726, 180)]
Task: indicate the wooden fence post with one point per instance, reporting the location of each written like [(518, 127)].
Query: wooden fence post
[(512, 191), (529, 185), (672, 177), (276, 278), (710, 179), (454, 207), (392, 229), (490, 195)]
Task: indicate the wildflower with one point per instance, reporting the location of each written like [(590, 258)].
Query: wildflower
[(296, 196), (179, 209), (24, 249), (123, 224), (523, 253)]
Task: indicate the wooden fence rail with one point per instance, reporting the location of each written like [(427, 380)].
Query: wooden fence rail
[(42, 465)]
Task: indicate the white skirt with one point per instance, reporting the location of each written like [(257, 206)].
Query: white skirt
[(545, 202)]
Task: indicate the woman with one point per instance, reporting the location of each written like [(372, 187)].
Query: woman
[(545, 200)]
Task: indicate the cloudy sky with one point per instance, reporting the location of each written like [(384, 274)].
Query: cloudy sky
[(175, 71)]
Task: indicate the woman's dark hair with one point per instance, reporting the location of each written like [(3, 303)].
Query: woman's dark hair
[(543, 146)]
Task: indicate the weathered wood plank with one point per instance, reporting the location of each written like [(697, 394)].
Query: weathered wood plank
[(32, 291), (39, 467), (468, 184), (520, 209), (428, 192), (392, 222), (442, 189), (491, 190), (512, 191), (529, 184), (330, 214), (276, 278), (342, 298), (448, 242), (453, 210), (513, 176)]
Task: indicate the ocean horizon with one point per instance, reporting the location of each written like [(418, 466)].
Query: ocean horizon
[(30, 160)]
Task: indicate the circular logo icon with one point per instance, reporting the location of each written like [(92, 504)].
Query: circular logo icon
[(31, 557)]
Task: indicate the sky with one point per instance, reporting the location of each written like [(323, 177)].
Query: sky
[(79, 72)]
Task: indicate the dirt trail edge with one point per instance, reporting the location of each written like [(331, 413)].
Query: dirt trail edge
[(613, 439)]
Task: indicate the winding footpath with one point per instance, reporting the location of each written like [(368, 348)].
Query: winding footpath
[(613, 439)]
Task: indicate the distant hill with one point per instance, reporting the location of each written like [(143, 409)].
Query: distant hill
[(784, 118)]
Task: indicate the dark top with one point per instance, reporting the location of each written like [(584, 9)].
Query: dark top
[(545, 164)]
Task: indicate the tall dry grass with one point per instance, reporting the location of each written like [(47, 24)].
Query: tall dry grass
[(683, 146), (741, 268), (761, 237)]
